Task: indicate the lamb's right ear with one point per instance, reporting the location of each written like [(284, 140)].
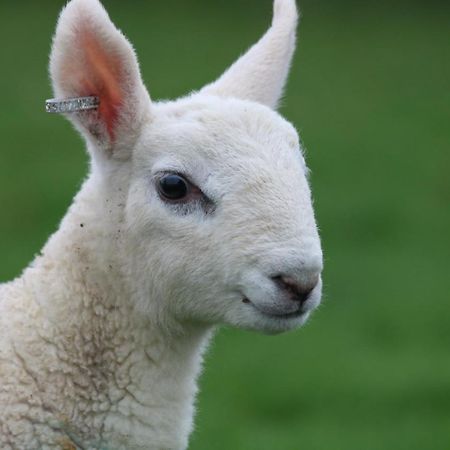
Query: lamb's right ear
[(260, 74), (91, 57)]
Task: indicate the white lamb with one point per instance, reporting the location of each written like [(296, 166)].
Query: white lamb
[(196, 212)]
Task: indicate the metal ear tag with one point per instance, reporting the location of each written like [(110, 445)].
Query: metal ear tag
[(71, 105)]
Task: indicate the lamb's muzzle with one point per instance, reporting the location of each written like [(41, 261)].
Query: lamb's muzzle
[(297, 292)]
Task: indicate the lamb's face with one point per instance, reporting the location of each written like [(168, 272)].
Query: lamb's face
[(220, 226), (219, 217)]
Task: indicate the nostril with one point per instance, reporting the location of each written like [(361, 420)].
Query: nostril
[(297, 292)]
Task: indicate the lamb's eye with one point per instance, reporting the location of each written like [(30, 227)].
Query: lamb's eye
[(173, 187)]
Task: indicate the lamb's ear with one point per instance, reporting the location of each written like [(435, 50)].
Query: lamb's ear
[(261, 73), (91, 57)]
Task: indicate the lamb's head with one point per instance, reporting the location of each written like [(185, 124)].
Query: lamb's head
[(218, 225)]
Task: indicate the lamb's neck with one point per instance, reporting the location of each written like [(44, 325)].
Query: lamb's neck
[(140, 378), (153, 393)]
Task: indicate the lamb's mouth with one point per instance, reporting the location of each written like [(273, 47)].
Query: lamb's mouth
[(300, 313)]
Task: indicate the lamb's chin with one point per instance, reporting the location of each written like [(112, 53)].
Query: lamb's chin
[(268, 324), (259, 322)]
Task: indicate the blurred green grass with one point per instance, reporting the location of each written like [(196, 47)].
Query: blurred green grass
[(369, 93)]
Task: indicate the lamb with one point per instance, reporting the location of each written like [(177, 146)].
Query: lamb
[(196, 213)]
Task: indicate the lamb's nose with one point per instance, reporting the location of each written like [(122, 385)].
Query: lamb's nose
[(296, 291)]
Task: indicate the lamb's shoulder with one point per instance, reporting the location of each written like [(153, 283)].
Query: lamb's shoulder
[(87, 381), (47, 394), (26, 421)]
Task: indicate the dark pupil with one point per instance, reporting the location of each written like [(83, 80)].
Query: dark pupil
[(173, 187)]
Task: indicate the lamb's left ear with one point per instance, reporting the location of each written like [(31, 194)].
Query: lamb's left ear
[(261, 73), (91, 57)]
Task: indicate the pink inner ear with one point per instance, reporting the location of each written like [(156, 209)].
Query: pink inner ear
[(102, 78)]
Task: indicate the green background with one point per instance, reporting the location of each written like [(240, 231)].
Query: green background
[(369, 93)]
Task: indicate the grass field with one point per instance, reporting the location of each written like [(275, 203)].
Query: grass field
[(370, 94)]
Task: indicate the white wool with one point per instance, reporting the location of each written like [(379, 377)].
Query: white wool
[(101, 338)]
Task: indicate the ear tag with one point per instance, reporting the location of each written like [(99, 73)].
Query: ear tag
[(71, 105)]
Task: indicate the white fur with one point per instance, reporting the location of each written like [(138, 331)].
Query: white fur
[(101, 338)]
